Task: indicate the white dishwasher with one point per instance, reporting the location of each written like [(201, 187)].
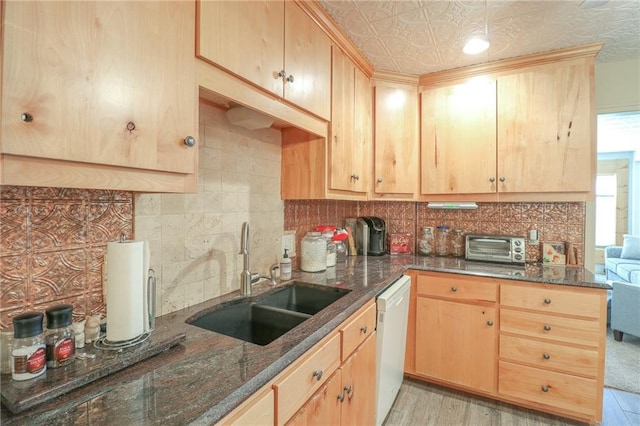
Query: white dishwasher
[(393, 314)]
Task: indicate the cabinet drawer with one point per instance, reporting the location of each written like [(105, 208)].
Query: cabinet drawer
[(551, 300), (457, 287), (559, 390), (549, 355), (551, 327), (356, 331), (304, 379)]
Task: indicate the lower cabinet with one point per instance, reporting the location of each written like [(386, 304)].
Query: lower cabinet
[(257, 410), (535, 345)]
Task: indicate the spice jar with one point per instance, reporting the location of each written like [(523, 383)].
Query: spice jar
[(28, 356), (60, 338), (341, 248), (314, 253), (442, 240), (425, 245), (457, 243)]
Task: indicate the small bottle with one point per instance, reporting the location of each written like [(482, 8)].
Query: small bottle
[(425, 246), (285, 266), (457, 243), (60, 338), (28, 356), (341, 248), (442, 240)]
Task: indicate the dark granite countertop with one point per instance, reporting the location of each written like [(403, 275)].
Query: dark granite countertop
[(209, 374)]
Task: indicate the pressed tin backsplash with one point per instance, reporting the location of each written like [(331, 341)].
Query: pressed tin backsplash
[(53, 241)]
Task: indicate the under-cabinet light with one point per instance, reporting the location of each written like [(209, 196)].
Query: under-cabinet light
[(462, 205)]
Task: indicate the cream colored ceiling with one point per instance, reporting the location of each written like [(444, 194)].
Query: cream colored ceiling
[(423, 36)]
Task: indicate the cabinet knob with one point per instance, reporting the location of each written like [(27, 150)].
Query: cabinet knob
[(502, 179), (131, 126), (26, 117), (490, 323), (349, 391), (544, 388), (290, 78), (281, 74), (546, 355), (379, 180), (190, 141), (454, 289), (492, 179), (547, 301), (363, 329), (356, 177), (317, 374), (341, 397), (547, 327)]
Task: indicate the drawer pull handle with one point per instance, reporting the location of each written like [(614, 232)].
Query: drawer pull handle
[(547, 301), (544, 388), (349, 391), (454, 289), (317, 374), (26, 117), (363, 329), (341, 397), (546, 355), (489, 323), (547, 327)]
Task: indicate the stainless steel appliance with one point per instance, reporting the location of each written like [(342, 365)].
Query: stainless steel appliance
[(371, 236), (495, 248)]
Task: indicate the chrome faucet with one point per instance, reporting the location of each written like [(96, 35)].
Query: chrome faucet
[(247, 279)]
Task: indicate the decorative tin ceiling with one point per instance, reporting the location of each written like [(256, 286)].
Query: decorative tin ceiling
[(424, 36)]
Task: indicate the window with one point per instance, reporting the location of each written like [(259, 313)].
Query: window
[(606, 188)]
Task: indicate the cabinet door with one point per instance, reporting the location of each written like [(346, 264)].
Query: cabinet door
[(257, 410), (244, 37), (341, 152), (395, 139), (545, 117), (104, 83), (457, 343), (323, 408), (359, 385), (459, 139), (307, 62), (362, 131)]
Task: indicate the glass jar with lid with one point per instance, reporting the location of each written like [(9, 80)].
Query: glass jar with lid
[(28, 355), (457, 243), (442, 240), (60, 339), (425, 245), (314, 253)]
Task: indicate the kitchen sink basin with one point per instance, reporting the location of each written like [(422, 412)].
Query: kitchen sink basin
[(303, 297), (266, 318)]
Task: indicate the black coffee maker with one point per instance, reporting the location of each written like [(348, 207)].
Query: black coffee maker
[(374, 243)]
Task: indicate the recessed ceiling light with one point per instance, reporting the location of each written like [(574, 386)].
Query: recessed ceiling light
[(475, 45)]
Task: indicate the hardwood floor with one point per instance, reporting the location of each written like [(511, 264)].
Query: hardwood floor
[(426, 404)]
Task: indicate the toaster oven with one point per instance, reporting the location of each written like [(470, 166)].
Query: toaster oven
[(495, 248)]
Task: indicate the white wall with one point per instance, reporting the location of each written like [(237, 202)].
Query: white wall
[(195, 238), (618, 86)]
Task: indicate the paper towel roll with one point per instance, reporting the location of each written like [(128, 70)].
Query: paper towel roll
[(126, 295)]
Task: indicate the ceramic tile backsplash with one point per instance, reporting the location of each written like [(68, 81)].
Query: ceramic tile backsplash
[(554, 221), (52, 245), (195, 238)]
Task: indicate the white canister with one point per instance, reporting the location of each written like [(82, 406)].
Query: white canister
[(314, 253)]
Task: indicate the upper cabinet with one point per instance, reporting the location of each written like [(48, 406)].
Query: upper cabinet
[(545, 122), (273, 44), (396, 144), (99, 95), (350, 136), (521, 129)]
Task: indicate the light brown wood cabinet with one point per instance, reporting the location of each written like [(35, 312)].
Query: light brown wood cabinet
[(84, 103), (349, 396), (396, 143), (523, 128), (544, 350), (552, 348), (456, 330), (257, 410), (273, 44), (351, 132)]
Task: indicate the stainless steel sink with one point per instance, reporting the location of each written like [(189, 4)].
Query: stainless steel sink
[(262, 320)]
